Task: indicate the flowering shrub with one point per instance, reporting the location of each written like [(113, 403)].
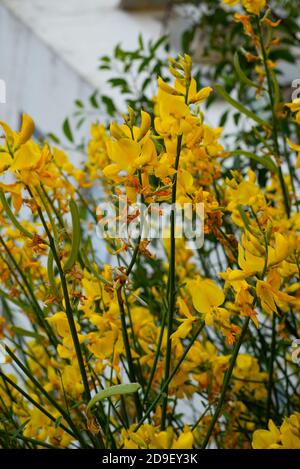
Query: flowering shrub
[(111, 354)]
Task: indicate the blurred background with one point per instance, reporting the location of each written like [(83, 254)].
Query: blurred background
[(51, 52)]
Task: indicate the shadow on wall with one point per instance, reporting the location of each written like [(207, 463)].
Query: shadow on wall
[(145, 4)]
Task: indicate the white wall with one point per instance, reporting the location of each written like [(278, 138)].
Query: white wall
[(49, 53)]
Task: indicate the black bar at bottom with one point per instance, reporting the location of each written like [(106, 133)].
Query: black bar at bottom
[(88, 459)]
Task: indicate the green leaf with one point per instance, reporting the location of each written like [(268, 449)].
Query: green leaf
[(58, 421), (105, 58), (109, 104), (114, 391), (76, 236), (50, 270), (158, 43), (244, 218), (141, 42), (146, 83), (266, 162), (93, 100), (18, 303), (283, 54), (19, 431), (79, 103), (223, 119), (26, 333), (67, 130), (119, 83), (12, 217), (145, 62), (276, 89), (220, 90), (53, 137), (236, 117), (80, 123), (104, 67), (187, 38), (241, 74)]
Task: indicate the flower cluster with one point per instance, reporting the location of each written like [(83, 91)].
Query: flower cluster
[(285, 437), (106, 343)]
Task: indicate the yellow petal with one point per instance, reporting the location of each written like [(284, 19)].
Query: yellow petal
[(183, 330), (249, 263), (281, 250), (165, 87), (202, 95), (145, 123), (111, 170), (27, 129), (185, 179), (116, 131), (262, 439), (266, 296), (5, 161), (184, 441), (170, 105), (183, 308), (26, 157), (123, 152), (205, 295)]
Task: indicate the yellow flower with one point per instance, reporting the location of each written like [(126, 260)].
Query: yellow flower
[(5, 161), (26, 157), (254, 6), (295, 107), (251, 6), (16, 139), (251, 264), (206, 296), (130, 149), (285, 437), (60, 322), (149, 437), (184, 441), (231, 2), (187, 323), (269, 294), (290, 432), (15, 144), (295, 148), (264, 439)]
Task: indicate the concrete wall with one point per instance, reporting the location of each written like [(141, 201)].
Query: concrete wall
[(49, 53)]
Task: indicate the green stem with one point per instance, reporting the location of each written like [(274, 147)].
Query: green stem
[(274, 121), (271, 367), (171, 376), (28, 440), (55, 404), (158, 348), (171, 283), (225, 384), (49, 214), (131, 370), (30, 295), (12, 218), (69, 310)]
